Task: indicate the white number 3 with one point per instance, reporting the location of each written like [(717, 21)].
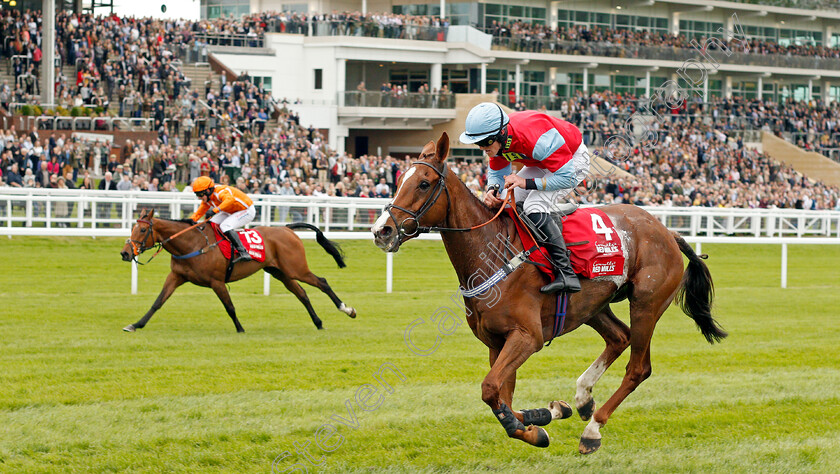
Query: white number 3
[(253, 237), (600, 228)]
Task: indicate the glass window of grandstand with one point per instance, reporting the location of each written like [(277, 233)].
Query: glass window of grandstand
[(769, 92), (761, 33), (834, 94), (799, 37), (411, 78), (227, 8), (456, 13), (835, 41), (265, 81), (696, 29), (796, 91), (510, 14), (568, 18), (457, 81), (641, 23)]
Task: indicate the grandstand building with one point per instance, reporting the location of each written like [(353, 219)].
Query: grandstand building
[(537, 64)]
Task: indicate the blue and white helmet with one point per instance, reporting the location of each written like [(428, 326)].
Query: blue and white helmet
[(484, 120)]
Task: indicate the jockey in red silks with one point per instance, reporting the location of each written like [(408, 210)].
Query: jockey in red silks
[(555, 161)]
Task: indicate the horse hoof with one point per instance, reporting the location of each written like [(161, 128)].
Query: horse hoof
[(589, 446), (586, 410), (542, 440), (560, 410), (352, 313), (240, 331), (320, 328), (129, 328)]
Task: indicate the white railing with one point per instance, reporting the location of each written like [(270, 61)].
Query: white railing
[(91, 213), (112, 213)]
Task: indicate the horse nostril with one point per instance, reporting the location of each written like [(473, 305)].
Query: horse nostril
[(386, 231)]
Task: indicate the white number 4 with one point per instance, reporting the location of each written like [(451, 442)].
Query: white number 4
[(600, 228), (253, 237)]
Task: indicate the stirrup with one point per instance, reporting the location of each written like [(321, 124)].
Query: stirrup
[(561, 284), (242, 256)]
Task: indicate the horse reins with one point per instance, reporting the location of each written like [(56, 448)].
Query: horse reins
[(440, 186), (159, 245)]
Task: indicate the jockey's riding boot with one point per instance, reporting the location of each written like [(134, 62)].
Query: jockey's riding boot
[(242, 254), (564, 276)]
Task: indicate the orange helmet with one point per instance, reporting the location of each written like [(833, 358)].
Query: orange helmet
[(202, 183)]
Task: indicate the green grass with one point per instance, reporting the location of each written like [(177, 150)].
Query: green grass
[(189, 394)]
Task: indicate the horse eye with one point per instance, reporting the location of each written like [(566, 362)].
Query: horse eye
[(424, 185)]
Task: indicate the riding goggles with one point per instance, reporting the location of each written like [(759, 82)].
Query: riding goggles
[(486, 141)]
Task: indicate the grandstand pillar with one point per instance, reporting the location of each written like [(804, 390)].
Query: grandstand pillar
[(760, 88), (48, 50), (442, 9), (810, 88), (364, 7), (340, 79), (675, 23), (585, 80), (436, 77), (727, 88), (518, 80), (483, 78), (705, 88), (647, 84), (826, 92)]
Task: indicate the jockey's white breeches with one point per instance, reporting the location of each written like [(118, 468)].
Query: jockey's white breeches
[(237, 220)]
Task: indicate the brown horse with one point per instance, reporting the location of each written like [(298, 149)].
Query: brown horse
[(517, 324), (285, 260)]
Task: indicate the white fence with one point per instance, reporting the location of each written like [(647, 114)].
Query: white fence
[(91, 213)]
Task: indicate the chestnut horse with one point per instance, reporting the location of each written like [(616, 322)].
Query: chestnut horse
[(285, 260), (518, 323)]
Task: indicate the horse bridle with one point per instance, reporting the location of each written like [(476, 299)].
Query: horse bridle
[(142, 243), (415, 216), (159, 245), (440, 187)]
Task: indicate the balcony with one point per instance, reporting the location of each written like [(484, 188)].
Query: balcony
[(592, 48), (387, 110)]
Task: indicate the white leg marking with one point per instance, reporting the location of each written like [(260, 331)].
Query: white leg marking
[(588, 380), (556, 411), (346, 309), (592, 430)]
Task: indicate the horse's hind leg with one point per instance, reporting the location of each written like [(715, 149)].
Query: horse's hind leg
[(298, 291), (321, 283), (647, 303), (172, 282), (617, 336), (222, 292)]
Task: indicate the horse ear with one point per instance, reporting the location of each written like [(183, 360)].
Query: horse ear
[(151, 213), (442, 150), (142, 213)]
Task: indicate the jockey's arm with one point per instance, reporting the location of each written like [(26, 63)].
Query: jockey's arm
[(496, 177), (228, 203), (202, 209)]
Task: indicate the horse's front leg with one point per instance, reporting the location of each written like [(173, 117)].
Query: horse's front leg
[(498, 386), (173, 281), (222, 292)]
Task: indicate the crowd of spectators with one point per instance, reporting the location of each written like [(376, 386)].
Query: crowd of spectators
[(580, 39), (228, 140)]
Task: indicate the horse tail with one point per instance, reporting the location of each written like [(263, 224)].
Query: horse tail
[(331, 247), (696, 293)]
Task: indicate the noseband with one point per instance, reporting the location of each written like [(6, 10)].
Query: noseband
[(440, 187)]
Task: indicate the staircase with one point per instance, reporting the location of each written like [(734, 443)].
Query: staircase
[(198, 74), (809, 163)]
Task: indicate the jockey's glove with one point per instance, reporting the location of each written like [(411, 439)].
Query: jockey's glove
[(209, 214)]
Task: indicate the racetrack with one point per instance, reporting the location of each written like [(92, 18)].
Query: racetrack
[(189, 394)]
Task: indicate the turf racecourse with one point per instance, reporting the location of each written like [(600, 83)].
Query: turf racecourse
[(188, 394)]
